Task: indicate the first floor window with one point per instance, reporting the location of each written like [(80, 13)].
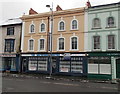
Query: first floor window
[(42, 44), (32, 28), (74, 43), (61, 25), (96, 40), (9, 45), (42, 27), (111, 42), (61, 43), (31, 44), (10, 31), (74, 24)]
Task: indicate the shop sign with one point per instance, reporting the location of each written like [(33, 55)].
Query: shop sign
[(104, 54), (8, 55)]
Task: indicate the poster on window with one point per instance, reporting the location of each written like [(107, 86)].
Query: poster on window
[(64, 69), (32, 68)]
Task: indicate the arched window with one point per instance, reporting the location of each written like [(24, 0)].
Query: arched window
[(96, 23), (42, 27), (61, 26), (61, 44), (74, 43), (32, 28), (31, 44), (74, 25), (110, 22)]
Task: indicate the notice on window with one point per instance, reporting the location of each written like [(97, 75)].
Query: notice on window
[(64, 70), (32, 68)]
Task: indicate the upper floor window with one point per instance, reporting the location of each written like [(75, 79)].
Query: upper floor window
[(111, 41), (61, 26), (96, 23), (74, 25), (42, 44), (31, 44), (32, 28), (42, 27), (9, 45), (96, 42), (74, 43), (10, 31), (110, 22), (61, 43)]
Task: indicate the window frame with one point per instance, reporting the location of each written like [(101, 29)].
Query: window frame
[(29, 45), (59, 26), (41, 28), (31, 27), (97, 49), (9, 48), (95, 26), (109, 23), (58, 47), (71, 48), (112, 44), (39, 42), (76, 24), (9, 32)]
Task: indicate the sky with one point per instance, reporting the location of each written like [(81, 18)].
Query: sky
[(16, 8)]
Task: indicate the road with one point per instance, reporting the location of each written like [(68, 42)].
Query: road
[(13, 84)]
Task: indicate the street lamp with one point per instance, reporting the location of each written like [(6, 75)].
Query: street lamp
[(50, 35)]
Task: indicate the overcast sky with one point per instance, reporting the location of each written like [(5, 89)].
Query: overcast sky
[(16, 8)]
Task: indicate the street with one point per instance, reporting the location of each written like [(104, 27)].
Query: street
[(13, 84)]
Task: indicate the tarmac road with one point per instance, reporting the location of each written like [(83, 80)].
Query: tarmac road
[(15, 84)]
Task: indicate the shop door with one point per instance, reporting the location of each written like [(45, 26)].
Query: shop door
[(118, 68), (54, 61)]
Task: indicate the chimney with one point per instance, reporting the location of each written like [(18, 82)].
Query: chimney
[(58, 8), (88, 5), (31, 11)]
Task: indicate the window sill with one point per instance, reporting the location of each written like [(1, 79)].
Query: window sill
[(31, 32), (96, 50), (61, 30), (111, 49), (73, 49), (42, 32), (96, 28), (74, 30), (110, 27)]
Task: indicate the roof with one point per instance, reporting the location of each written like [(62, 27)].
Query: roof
[(11, 22)]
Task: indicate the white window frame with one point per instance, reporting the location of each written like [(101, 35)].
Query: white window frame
[(40, 28), (29, 44), (93, 23), (39, 44), (30, 28), (71, 24), (114, 43), (58, 44), (71, 43), (93, 43), (59, 25)]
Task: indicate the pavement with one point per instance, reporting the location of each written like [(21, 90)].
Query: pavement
[(54, 77)]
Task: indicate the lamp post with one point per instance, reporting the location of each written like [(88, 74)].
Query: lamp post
[(50, 35)]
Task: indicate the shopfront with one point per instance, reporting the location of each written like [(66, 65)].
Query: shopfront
[(75, 64), (10, 62), (103, 65)]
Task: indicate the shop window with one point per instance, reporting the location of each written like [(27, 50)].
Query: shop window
[(9, 45), (32, 64), (64, 65), (99, 65), (10, 31), (42, 63)]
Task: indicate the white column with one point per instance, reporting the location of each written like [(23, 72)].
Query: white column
[(113, 63), (22, 41)]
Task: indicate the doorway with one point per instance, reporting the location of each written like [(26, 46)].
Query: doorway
[(118, 68)]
